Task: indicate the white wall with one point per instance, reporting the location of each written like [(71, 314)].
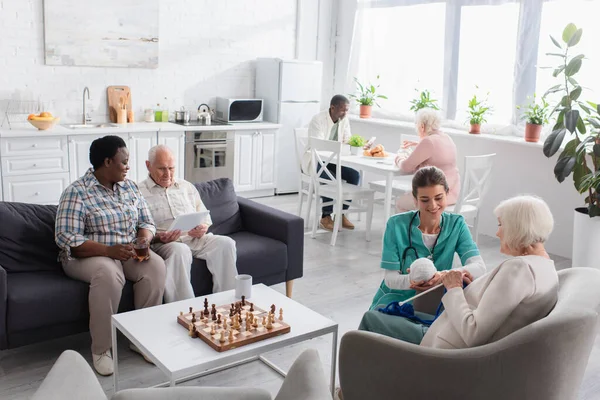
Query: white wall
[(519, 168), (207, 49)]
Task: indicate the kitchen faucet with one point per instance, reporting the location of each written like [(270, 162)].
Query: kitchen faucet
[(86, 117)]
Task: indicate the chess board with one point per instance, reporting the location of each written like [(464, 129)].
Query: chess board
[(245, 334)]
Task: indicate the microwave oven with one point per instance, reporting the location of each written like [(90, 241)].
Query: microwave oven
[(239, 110)]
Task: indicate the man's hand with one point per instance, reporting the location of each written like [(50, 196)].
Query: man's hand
[(453, 279), (198, 231), (121, 252), (167, 237)]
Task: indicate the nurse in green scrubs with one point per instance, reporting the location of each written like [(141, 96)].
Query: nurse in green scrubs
[(427, 232)]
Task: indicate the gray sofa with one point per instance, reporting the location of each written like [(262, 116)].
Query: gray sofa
[(39, 302), (71, 377), (545, 360)]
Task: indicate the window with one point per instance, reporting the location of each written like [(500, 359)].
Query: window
[(404, 51), (555, 16), (487, 49)]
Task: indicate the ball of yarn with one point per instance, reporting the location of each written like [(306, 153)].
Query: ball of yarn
[(422, 269)]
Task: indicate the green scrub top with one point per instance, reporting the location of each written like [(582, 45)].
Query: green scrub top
[(454, 237)]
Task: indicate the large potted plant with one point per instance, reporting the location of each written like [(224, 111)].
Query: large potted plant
[(535, 115), (366, 97), (581, 154), (356, 142), (424, 100), (477, 111)]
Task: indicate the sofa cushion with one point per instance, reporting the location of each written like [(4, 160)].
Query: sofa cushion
[(38, 299), (258, 255), (220, 198), (27, 238)]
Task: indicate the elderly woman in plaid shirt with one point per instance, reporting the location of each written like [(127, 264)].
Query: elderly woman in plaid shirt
[(99, 215)]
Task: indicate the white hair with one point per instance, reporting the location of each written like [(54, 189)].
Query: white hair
[(525, 220), (428, 117), (152, 152)]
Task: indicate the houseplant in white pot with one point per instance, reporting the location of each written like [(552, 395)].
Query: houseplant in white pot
[(581, 154), (424, 100), (477, 111), (366, 97), (356, 142), (535, 115)]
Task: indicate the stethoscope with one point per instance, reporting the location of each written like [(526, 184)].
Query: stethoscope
[(411, 247)]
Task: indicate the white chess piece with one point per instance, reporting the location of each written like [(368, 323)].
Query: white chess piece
[(421, 270)]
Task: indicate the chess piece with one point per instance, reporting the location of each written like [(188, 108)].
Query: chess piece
[(269, 324), (206, 307), (224, 322), (248, 326), (214, 317), (273, 308), (222, 337), (243, 300), (236, 324), (264, 321), (191, 330), (180, 313), (191, 308), (219, 319), (281, 314), (193, 317), (231, 338), (254, 322), (195, 333), (205, 302), (251, 307), (214, 309), (212, 329)]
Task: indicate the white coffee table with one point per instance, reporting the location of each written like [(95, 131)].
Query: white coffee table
[(157, 334)]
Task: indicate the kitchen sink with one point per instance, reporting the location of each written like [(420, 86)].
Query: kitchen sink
[(83, 126)]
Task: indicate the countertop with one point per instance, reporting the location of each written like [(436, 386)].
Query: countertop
[(27, 130)]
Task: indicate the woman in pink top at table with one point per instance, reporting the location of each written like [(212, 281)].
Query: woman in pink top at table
[(434, 149)]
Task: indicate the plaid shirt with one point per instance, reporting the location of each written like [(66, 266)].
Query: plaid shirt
[(89, 211)]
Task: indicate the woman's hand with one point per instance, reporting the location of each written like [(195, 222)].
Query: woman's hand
[(434, 281), (198, 231), (453, 279), (168, 237), (407, 144), (467, 277), (121, 252)]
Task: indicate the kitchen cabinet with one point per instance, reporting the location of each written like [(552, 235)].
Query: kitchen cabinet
[(37, 189), (255, 166), (176, 142), (138, 145)]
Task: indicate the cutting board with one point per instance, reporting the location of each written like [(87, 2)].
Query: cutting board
[(114, 94)]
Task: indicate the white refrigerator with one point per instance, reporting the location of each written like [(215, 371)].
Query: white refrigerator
[(291, 91)]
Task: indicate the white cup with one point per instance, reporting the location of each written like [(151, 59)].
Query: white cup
[(243, 286)]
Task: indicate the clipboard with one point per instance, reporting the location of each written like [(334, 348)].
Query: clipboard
[(186, 222)]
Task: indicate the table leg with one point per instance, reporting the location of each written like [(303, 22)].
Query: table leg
[(334, 342), (115, 359), (387, 204)]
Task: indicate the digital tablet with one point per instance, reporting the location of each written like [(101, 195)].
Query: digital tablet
[(186, 222)]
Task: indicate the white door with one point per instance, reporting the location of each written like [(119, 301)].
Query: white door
[(79, 154), (36, 189), (265, 159), (291, 116), (176, 142), (139, 144), (244, 173), (300, 81)]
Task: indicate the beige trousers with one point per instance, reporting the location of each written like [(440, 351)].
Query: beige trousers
[(220, 255), (107, 278), (178, 261)]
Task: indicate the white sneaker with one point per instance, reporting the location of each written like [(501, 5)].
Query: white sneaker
[(134, 348), (103, 363)]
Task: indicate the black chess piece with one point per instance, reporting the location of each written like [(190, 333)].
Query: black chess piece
[(243, 301), (251, 307)]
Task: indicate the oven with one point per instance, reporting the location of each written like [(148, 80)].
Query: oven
[(208, 155)]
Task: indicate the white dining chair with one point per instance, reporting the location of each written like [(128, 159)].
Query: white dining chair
[(325, 152), (306, 182), (474, 186)]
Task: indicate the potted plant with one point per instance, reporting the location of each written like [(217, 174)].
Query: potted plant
[(367, 96), (423, 101), (581, 154), (536, 116), (356, 142), (477, 111)]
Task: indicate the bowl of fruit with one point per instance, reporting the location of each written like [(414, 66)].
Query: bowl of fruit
[(43, 120)]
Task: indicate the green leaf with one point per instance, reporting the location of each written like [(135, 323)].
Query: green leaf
[(553, 142), (573, 67), (575, 93), (584, 107), (575, 38), (581, 125), (579, 172), (571, 120), (593, 210), (568, 32), (594, 122), (560, 120), (553, 89), (564, 167), (578, 57), (573, 81), (556, 42), (582, 144), (558, 71), (570, 148), (556, 55)]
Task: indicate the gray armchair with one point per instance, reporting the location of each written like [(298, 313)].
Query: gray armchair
[(71, 377), (545, 360)]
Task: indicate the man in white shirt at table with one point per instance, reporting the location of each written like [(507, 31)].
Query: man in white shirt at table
[(168, 198), (333, 124)]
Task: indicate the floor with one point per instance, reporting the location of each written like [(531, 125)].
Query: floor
[(339, 282)]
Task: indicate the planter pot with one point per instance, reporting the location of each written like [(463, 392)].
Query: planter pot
[(586, 236), (475, 129), (354, 150), (365, 111), (532, 132)]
